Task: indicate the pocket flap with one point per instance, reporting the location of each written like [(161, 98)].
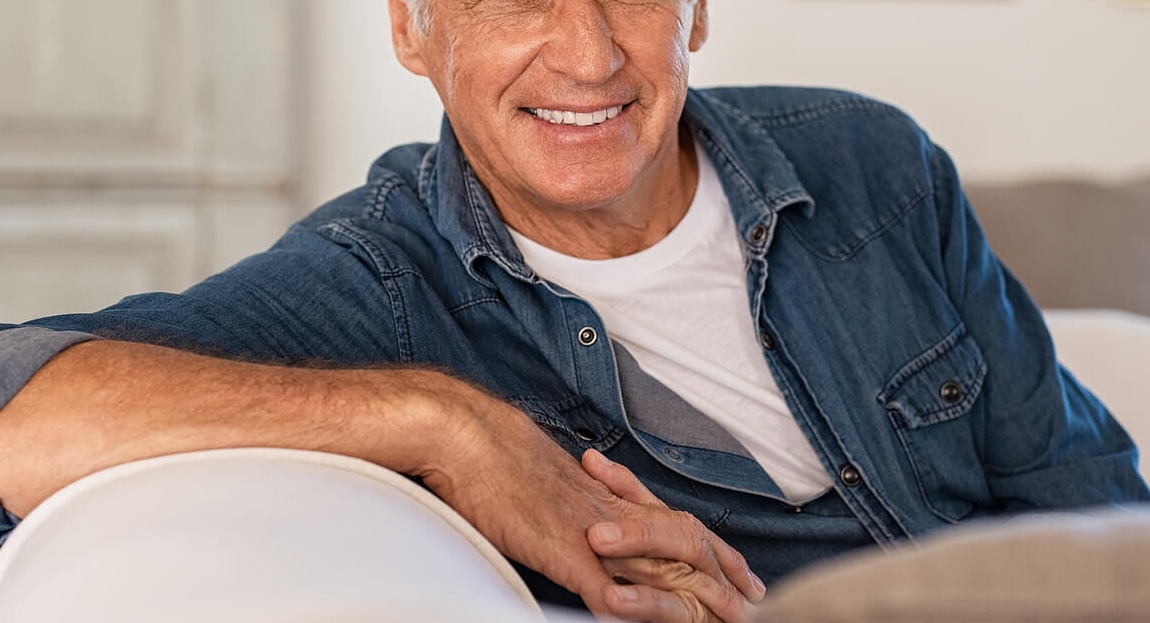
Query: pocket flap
[(938, 385)]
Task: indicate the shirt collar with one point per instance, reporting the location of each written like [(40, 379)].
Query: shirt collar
[(465, 214), (757, 175)]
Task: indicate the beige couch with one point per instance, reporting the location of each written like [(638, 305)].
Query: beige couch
[(1074, 244)]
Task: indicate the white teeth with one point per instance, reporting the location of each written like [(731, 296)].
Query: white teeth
[(581, 119)]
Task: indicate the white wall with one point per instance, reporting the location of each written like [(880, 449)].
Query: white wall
[(1012, 88)]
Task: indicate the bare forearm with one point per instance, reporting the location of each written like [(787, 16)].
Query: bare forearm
[(100, 404)]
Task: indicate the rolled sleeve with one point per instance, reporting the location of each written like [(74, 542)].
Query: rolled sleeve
[(24, 350)]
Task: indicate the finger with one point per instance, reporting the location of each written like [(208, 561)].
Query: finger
[(643, 603), (618, 479), (584, 576), (682, 538), (717, 596)]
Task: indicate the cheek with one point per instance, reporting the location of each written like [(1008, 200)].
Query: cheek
[(679, 63), (668, 66), (488, 71)]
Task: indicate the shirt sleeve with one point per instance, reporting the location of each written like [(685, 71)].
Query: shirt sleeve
[(1049, 442), (24, 350), (309, 301)]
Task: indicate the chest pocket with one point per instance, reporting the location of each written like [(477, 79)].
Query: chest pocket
[(930, 402)]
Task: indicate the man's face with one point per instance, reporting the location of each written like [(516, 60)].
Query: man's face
[(560, 103)]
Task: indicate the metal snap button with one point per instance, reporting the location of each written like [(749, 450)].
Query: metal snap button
[(850, 476), (767, 341), (758, 234), (588, 336), (586, 435), (951, 392), (673, 454)]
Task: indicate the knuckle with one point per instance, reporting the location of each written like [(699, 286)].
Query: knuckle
[(732, 558), (694, 609), (648, 533), (686, 518), (673, 570)]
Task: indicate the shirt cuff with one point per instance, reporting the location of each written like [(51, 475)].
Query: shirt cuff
[(24, 350)]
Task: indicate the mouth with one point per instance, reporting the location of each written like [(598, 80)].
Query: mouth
[(578, 119)]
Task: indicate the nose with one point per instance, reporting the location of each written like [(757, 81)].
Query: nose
[(581, 42)]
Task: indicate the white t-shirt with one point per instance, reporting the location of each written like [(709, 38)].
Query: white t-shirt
[(680, 308)]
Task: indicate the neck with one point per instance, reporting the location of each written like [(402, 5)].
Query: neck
[(643, 216)]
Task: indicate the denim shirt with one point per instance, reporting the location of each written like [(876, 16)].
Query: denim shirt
[(917, 366)]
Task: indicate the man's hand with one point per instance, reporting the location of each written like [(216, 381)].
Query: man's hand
[(540, 507), (522, 491), (668, 566)]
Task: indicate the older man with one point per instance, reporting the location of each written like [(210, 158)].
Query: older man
[(774, 306)]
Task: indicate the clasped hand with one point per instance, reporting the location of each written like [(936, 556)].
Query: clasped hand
[(588, 526), (667, 566)]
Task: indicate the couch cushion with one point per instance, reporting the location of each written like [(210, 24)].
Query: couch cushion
[(1073, 244)]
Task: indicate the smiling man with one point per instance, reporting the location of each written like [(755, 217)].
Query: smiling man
[(568, 112), (773, 306)]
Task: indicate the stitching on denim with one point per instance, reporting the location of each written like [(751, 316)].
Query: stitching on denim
[(404, 342), (808, 114), (742, 179), (343, 228), (918, 468), (730, 163), (866, 516), (919, 363), (720, 520), (377, 204), (427, 171), (480, 301), (921, 194), (952, 342)]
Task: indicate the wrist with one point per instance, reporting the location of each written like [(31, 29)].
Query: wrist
[(416, 420)]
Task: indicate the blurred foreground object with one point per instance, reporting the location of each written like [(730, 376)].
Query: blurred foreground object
[(1054, 568), (253, 536)]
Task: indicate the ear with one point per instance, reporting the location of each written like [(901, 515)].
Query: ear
[(700, 26), (406, 38)]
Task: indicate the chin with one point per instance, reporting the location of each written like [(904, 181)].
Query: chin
[(586, 191), (585, 198)]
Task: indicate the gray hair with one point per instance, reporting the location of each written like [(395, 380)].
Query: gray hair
[(420, 14)]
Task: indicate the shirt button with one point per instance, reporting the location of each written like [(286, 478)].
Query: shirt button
[(767, 340), (588, 336), (673, 454), (850, 476), (586, 435), (759, 234), (951, 392)]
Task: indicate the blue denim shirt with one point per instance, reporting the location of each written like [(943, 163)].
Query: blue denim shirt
[(917, 366)]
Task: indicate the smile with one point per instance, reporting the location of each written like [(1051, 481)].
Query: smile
[(581, 119)]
